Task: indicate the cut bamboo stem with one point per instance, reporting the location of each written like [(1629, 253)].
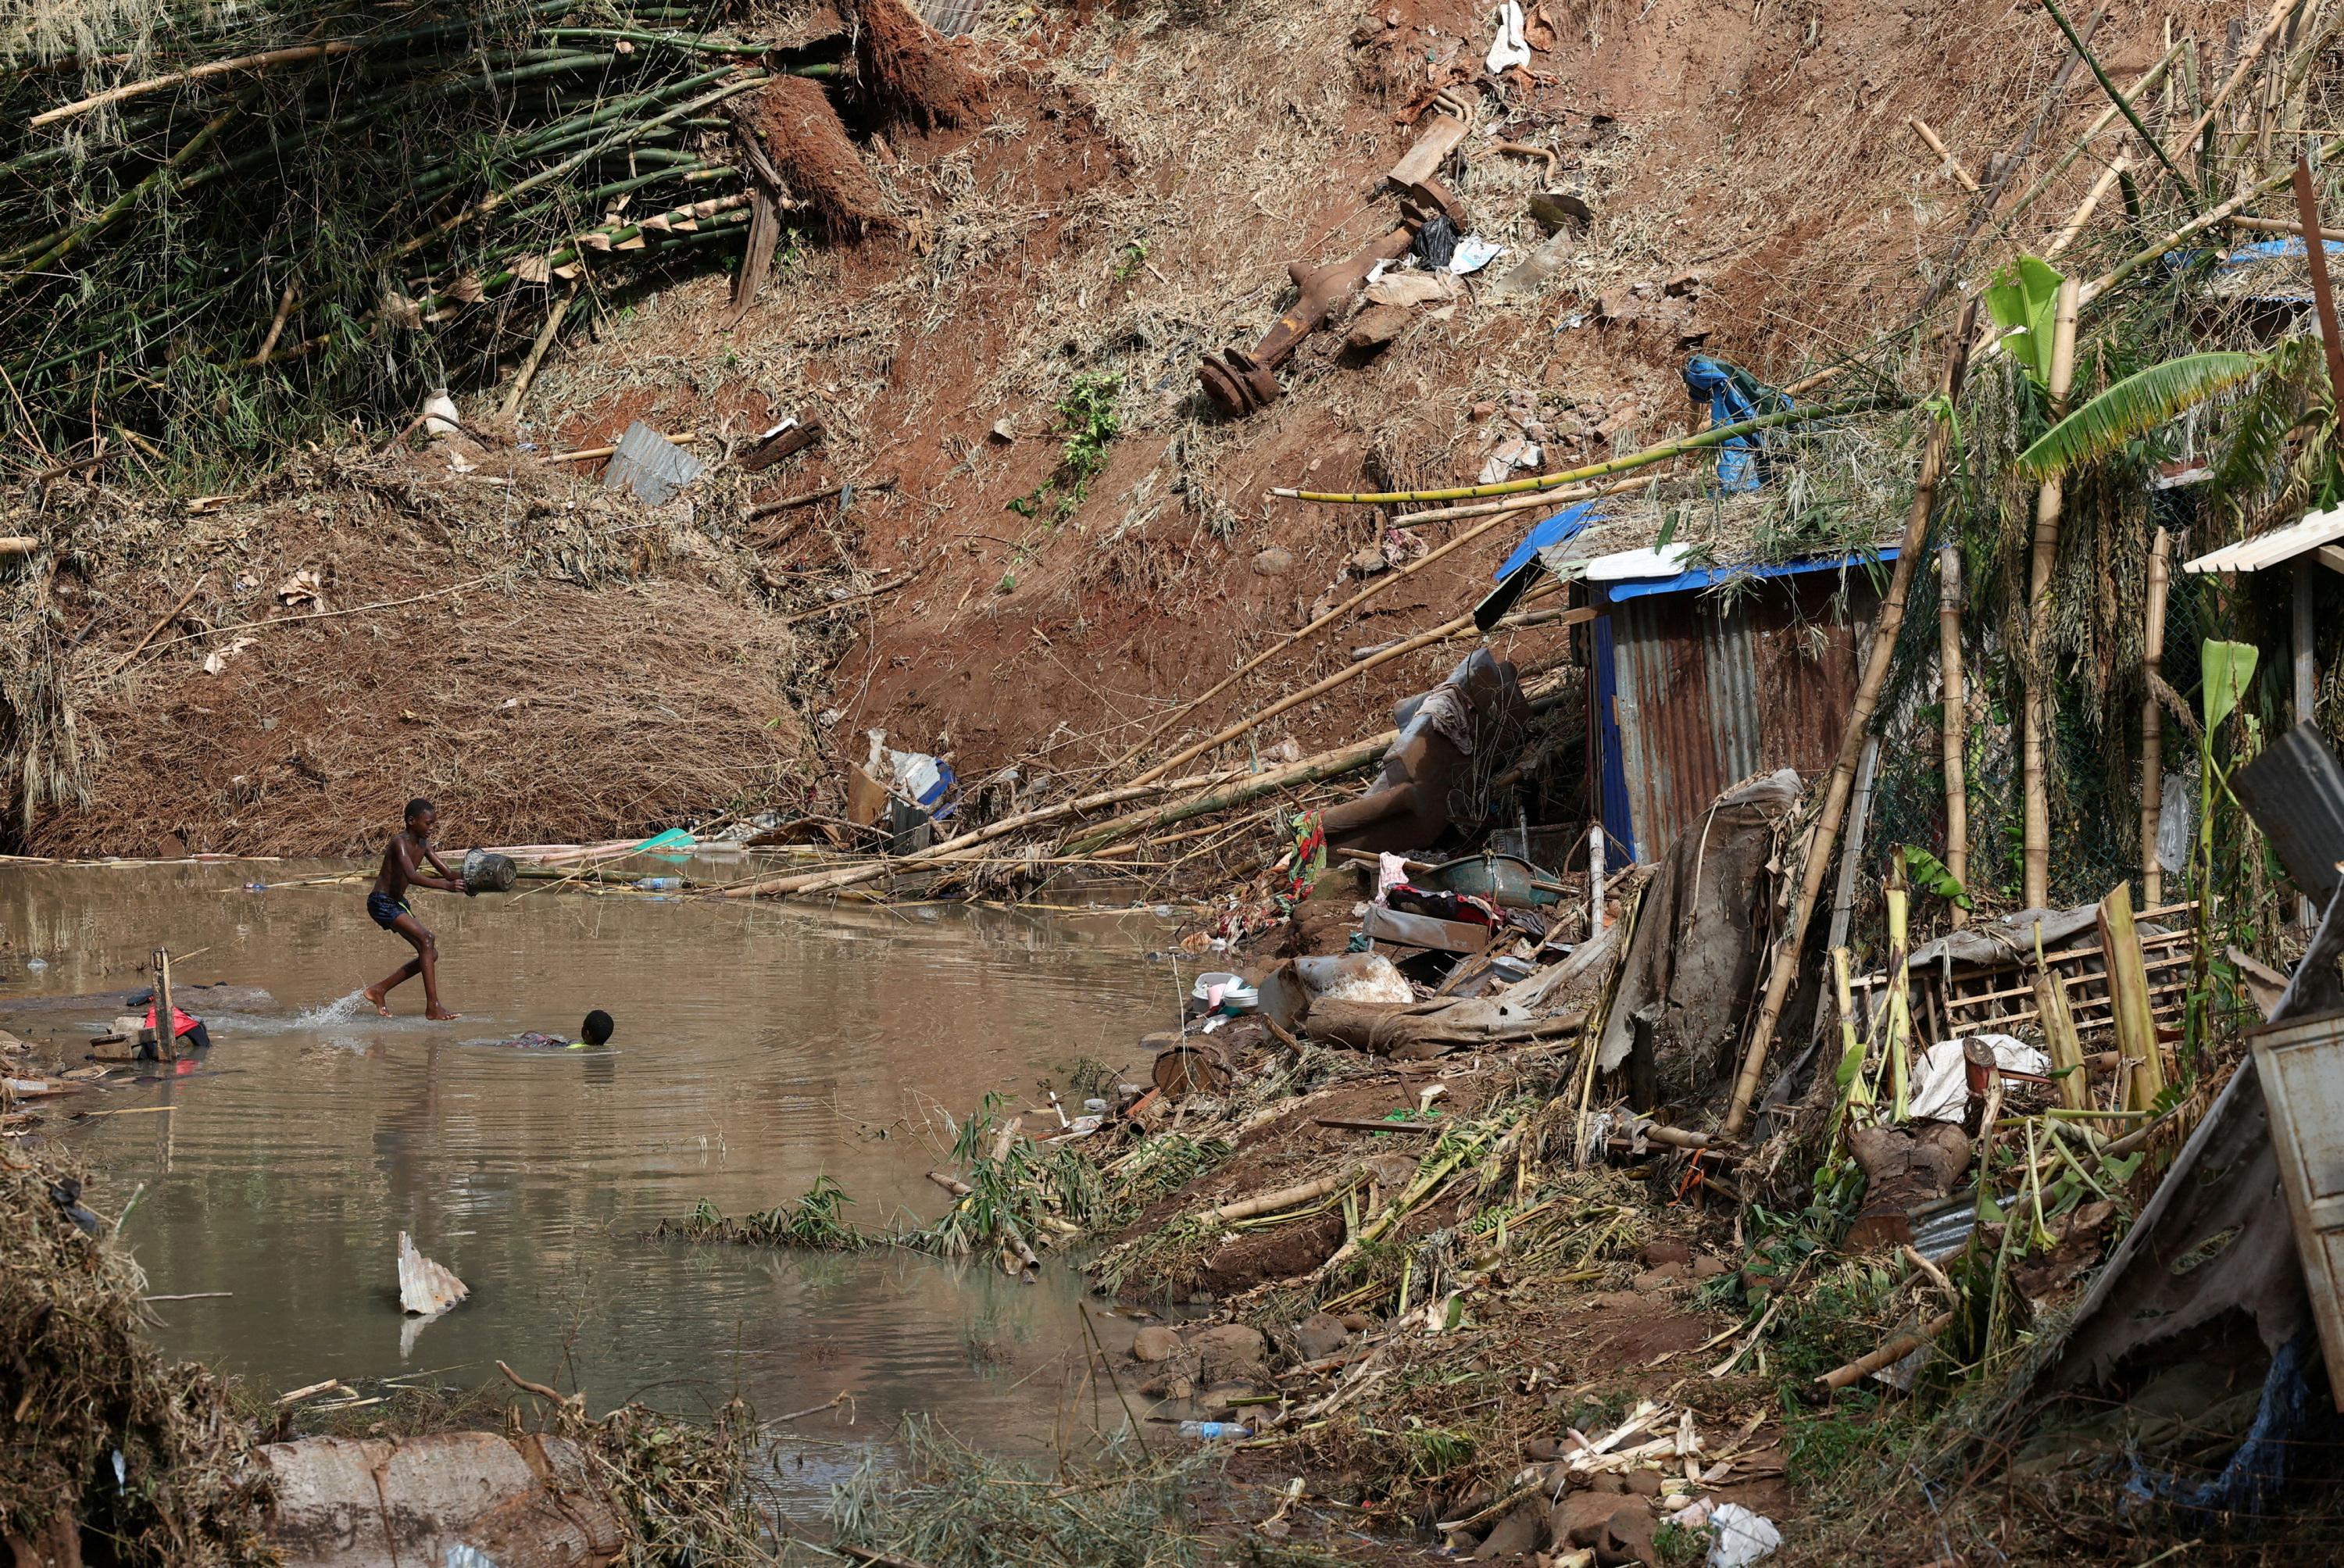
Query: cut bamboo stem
[(2059, 1036), (1271, 1202), (2152, 721), (1955, 724), (1930, 139), (545, 334), (1891, 621), (1887, 1355), (2038, 715), (2128, 999), (266, 60)]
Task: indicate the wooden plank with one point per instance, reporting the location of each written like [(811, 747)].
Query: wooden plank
[(1432, 148)]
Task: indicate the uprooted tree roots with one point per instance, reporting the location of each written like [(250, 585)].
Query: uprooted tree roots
[(908, 71)]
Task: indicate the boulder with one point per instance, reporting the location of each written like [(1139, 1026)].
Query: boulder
[(1155, 1343), (1275, 561), (1656, 1254), (1229, 1351), (1627, 1536), (1581, 1517), (1708, 1266), (1319, 1335), (1516, 1534)]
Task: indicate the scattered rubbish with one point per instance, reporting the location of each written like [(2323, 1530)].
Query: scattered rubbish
[(785, 439), (656, 884), (1213, 1430), (1508, 50), (1472, 252), (1741, 1537), (1435, 244), (1224, 992), (424, 1287), (649, 465)]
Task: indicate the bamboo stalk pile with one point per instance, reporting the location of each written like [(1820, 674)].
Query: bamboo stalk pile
[(302, 211)]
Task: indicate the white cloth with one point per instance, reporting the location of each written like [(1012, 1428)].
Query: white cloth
[(1509, 50), (1743, 1537), (1941, 1091)]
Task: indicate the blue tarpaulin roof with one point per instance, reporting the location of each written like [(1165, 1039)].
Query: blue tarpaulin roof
[(1703, 577), (1552, 530)]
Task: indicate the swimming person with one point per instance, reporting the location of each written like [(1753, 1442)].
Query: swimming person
[(594, 1033), (387, 907)]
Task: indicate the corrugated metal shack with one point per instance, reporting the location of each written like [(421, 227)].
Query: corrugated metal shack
[(1703, 677)]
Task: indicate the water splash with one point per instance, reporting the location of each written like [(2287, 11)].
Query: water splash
[(341, 1011)]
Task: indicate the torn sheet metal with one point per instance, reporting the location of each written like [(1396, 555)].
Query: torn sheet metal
[(2295, 791), (650, 465)]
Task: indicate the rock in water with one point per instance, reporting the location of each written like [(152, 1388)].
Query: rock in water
[(424, 1286)]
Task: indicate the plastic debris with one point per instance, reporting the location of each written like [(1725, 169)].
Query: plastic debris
[(1743, 1537), (1509, 49), (425, 1286), (1472, 253), (650, 465)]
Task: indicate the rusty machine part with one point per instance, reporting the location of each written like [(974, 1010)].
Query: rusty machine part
[(1238, 380)]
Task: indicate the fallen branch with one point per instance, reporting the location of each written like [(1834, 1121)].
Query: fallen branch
[(1887, 1355), (168, 617), (260, 62)]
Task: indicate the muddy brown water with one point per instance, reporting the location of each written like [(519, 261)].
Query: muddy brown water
[(757, 1048)]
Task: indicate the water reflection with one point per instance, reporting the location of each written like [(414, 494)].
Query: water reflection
[(756, 1048)]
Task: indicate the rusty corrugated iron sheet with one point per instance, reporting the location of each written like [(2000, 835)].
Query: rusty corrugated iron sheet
[(1714, 687)]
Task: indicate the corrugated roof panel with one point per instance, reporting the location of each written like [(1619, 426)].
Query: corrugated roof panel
[(2270, 549)]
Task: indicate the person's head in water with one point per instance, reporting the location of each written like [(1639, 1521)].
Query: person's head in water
[(420, 816), (596, 1029)]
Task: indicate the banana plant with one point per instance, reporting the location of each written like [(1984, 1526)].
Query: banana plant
[(2146, 398)]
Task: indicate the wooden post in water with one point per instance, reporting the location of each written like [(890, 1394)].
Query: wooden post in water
[(167, 1037), (2152, 722)]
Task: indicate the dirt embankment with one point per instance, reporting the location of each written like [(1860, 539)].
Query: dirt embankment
[(1126, 196)]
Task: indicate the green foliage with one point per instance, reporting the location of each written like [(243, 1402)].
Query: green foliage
[(1929, 875), (2229, 668), (1087, 415), (2022, 299), (2134, 406)]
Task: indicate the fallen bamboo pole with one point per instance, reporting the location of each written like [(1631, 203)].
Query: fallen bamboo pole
[(1499, 515), (528, 371), (1930, 139), (1887, 1355), (1318, 689), (955, 848), (1793, 944), (1677, 446), (2099, 287), (2035, 720), (1310, 770), (2152, 722), (1271, 1202), (260, 62), (1955, 723), (2278, 225)]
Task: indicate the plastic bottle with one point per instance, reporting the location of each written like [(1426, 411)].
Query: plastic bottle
[(1213, 1429), (658, 884)]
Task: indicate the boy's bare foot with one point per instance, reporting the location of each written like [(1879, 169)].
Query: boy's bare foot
[(379, 1000), (440, 1016)]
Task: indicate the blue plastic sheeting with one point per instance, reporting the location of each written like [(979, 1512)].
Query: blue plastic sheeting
[(2250, 1485), (1734, 396), (1705, 576), (1560, 528), (2261, 251), (1619, 815)]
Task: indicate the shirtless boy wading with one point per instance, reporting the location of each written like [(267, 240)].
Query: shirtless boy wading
[(387, 906)]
